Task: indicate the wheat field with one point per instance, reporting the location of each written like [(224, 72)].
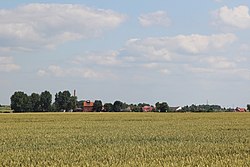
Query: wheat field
[(125, 139)]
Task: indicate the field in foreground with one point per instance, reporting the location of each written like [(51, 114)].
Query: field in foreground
[(125, 139)]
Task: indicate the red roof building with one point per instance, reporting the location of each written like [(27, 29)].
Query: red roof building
[(147, 109), (238, 109), (88, 106)]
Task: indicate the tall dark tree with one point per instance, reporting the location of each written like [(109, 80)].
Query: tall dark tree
[(135, 108), (162, 107), (29, 105), (97, 106), (117, 106), (58, 101), (158, 106), (108, 107), (248, 107), (19, 102), (45, 101), (72, 103), (64, 101), (79, 104), (34, 102)]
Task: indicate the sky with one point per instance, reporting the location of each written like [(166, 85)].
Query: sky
[(181, 52)]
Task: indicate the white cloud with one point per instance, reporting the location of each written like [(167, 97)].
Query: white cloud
[(219, 66), (236, 17), (42, 73), (58, 71), (47, 25), (7, 64), (185, 54), (196, 44), (148, 49), (220, 62), (159, 18), (235, 71), (166, 48), (104, 58), (165, 55)]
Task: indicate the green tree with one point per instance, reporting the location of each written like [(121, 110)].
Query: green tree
[(34, 102), (185, 109), (117, 106), (19, 102), (97, 106), (193, 108), (158, 106), (64, 101), (58, 104), (53, 108), (108, 107), (124, 107), (135, 108), (162, 107), (143, 104), (248, 107), (45, 101), (80, 104), (61, 100), (73, 103)]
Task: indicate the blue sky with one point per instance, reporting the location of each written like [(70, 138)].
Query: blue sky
[(182, 52)]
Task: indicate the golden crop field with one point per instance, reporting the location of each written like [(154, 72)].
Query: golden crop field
[(125, 139)]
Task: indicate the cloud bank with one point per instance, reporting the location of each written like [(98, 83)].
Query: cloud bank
[(163, 48), (79, 72), (47, 25)]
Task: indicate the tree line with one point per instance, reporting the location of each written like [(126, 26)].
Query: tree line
[(202, 108), (64, 101), (119, 106), (21, 102), (209, 108)]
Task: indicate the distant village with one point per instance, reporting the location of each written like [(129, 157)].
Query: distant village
[(65, 102), (89, 106)]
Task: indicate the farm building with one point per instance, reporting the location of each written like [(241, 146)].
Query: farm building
[(88, 106), (238, 109), (147, 109), (175, 109)]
